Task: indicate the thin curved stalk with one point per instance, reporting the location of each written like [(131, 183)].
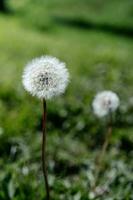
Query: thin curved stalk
[(102, 154), (44, 151)]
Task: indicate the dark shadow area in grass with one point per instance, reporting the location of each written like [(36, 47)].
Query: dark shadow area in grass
[(4, 8), (126, 144), (64, 168), (86, 25)]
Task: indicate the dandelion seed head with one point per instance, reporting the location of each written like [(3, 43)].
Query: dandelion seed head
[(45, 77), (105, 102)]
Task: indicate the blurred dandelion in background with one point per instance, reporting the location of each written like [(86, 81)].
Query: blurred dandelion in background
[(104, 105)]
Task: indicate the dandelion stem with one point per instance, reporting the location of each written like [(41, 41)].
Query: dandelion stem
[(44, 151), (101, 156)]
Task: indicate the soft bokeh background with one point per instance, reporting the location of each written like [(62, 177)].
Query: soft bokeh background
[(94, 38)]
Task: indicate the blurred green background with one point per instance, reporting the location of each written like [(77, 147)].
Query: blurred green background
[(94, 38)]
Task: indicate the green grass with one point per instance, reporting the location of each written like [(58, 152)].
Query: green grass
[(97, 60), (40, 13)]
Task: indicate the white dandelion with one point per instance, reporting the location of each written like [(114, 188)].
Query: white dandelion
[(45, 77), (105, 102)]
